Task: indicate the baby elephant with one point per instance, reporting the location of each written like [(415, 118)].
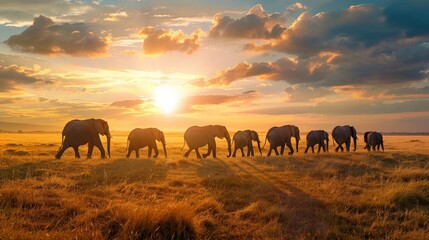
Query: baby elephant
[(373, 139), (244, 139), (140, 138), (317, 137)]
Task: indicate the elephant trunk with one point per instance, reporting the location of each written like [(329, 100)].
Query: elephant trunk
[(259, 147), (165, 150), (228, 139), (108, 144)]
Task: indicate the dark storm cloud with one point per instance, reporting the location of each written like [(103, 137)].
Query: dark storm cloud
[(46, 37), (361, 45), (349, 108), (302, 71), (256, 24), (127, 103)]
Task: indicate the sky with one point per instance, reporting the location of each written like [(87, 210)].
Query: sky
[(243, 64)]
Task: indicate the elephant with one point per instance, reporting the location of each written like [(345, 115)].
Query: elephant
[(80, 132), (343, 134), (373, 139), (197, 136), (243, 139), (281, 136), (317, 137), (140, 138)]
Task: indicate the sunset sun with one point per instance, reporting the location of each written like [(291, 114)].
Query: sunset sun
[(166, 98)]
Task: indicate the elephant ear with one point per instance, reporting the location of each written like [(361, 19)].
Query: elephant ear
[(292, 130), (99, 126), (253, 135), (353, 131), (157, 134)]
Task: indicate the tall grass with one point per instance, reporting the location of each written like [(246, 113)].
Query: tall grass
[(356, 195)]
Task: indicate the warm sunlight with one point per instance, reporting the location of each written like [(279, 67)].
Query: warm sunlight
[(166, 98)]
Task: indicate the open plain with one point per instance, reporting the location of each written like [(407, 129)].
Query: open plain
[(356, 195)]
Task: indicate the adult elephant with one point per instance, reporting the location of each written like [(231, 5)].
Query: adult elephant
[(373, 139), (281, 136), (140, 138), (80, 132), (243, 139), (317, 137), (343, 135), (197, 137)]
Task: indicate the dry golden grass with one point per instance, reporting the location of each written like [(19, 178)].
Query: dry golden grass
[(306, 196)]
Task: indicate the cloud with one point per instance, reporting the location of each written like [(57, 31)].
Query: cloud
[(127, 103), (302, 93), (287, 69), (46, 37), (256, 24), (116, 16), (161, 41), (352, 107), (11, 76), (409, 92), (194, 103)]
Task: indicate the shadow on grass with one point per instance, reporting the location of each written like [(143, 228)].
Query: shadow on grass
[(123, 171), (258, 197)]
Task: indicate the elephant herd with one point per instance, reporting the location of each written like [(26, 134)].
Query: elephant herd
[(80, 132)]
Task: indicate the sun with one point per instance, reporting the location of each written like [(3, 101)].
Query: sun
[(166, 98)]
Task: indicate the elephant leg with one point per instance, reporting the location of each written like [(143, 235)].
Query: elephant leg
[(129, 152), (242, 152), (382, 146), (76, 152), (373, 148), (289, 145), (187, 152), (323, 145), (312, 149), (282, 149), (337, 148), (320, 146), (348, 145), (90, 149), (197, 153), (98, 144), (62, 150), (306, 149), (275, 150), (252, 151), (155, 148), (378, 147), (149, 151), (209, 151), (213, 143), (269, 152), (235, 151)]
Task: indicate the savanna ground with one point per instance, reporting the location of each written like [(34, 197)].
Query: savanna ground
[(357, 195)]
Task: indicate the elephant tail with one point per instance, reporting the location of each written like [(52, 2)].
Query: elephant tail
[(128, 145), (62, 140), (266, 137), (183, 144)]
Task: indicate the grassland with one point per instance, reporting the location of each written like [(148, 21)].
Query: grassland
[(356, 195)]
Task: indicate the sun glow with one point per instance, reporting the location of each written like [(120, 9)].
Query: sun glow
[(166, 98)]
